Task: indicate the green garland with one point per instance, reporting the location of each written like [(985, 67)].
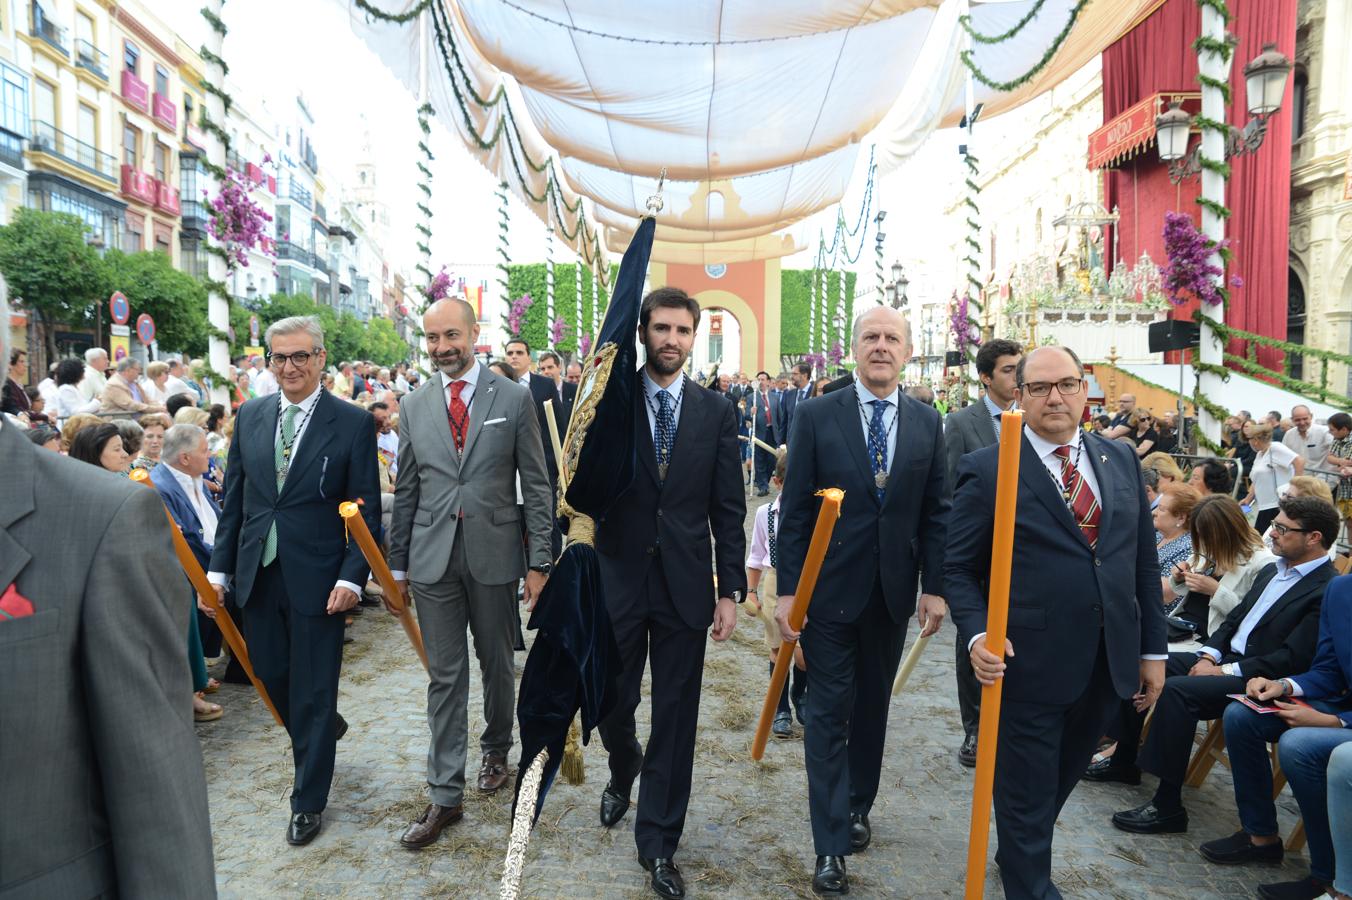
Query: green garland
[(214, 21), (980, 38), (504, 228), (396, 18), (1229, 332), (1041, 64), (226, 100), (1293, 385), (208, 56)]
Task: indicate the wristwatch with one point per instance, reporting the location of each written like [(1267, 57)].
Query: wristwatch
[(543, 569), (1228, 669)]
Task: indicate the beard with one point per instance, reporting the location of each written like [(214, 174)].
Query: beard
[(663, 366), (452, 362)]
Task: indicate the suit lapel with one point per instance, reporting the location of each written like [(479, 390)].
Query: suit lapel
[(646, 451), (1104, 472), (16, 499), (316, 437), (265, 443), (905, 422), (1035, 477), (485, 396), (1294, 594), (984, 424), (690, 425), (435, 402), (851, 432)]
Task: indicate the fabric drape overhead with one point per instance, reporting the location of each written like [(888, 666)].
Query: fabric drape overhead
[(765, 105)]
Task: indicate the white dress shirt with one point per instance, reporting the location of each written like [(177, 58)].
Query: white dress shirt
[(206, 514), (70, 401), (174, 385), (302, 422), (866, 397), (995, 411), (650, 392), (264, 383), (1286, 578), (47, 391)]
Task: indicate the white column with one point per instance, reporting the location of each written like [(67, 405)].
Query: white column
[(826, 304), (596, 299), (549, 285), (812, 307), (1213, 188), (577, 308), (218, 305)]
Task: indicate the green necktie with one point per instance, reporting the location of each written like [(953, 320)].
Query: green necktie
[(281, 463)]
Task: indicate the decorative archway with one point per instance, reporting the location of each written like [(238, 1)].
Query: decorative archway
[(750, 291)]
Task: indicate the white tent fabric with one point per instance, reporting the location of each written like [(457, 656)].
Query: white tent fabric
[(765, 105)]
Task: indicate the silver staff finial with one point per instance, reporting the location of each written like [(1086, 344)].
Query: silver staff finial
[(655, 202)]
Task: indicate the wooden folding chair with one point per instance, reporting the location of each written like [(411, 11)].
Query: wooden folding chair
[(1211, 750)]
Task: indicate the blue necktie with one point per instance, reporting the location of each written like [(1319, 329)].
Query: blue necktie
[(877, 447), (666, 432)]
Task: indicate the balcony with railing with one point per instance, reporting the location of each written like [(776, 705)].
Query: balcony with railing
[(48, 139), (166, 198), (162, 109), (48, 31), (301, 195), (137, 185), (194, 215), (321, 264), (11, 148), (135, 92), (295, 252), (91, 58)]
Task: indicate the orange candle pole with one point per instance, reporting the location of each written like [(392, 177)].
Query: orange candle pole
[(997, 615), (807, 583), (233, 639), (356, 525)]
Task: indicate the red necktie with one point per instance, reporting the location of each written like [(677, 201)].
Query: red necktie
[(1083, 504), (765, 401), (459, 416)]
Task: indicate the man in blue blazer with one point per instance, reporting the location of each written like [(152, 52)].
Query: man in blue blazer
[(886, 451), (1085, 622), (1306, 734), (295, 456)]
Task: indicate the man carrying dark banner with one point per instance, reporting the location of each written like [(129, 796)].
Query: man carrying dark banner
[(657, 566)]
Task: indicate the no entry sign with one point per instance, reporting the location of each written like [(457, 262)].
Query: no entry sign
[(145, 328)]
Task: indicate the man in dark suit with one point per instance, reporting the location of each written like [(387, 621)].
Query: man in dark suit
[(549, 385), (800, 381), (1274, 630), (971, 428), (658, 568), (886, 452), (764, 422), (1084, 609), (101, 786), (294, 458)]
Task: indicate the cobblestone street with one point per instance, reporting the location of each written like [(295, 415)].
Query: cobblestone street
[(747, 834)]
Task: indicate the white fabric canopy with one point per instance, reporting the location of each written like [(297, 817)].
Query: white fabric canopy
[(756, 110)]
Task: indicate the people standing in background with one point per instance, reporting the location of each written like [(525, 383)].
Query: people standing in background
[(96, 363), (1309, 440), (263, 381), (800, 389), (574, 375), (14, 400), (763, 420), (1272, 469), (122, 391)]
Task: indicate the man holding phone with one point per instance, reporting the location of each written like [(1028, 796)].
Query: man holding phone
[(1313, 718)]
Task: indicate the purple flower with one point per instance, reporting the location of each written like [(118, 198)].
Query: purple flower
[(516, 316), (558, 330), (234, 219), (584, 345), (817, 361), (835, 354), (965, 332), (1190, 272), (440, 288)]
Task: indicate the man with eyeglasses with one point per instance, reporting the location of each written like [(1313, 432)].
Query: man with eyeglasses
[(294, 458), (1085, 618), (1271, 633)]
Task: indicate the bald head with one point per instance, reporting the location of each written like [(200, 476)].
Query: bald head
[(453, 307), (882, 345)]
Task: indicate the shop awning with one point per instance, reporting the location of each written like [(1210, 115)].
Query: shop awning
[(1134, 130)]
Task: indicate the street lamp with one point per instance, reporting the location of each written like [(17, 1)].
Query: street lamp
[(1265, 85)]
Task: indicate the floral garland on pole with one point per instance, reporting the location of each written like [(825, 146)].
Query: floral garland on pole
[(234, 219), (516, 314), (558, 332), (1189, 272), (504, 244), (424, 205), (233, 214), (966, 336)]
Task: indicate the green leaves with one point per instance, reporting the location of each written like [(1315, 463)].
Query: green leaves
[(175, 300), (51, 268)]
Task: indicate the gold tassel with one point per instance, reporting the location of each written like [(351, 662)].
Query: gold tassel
[(574, 772)]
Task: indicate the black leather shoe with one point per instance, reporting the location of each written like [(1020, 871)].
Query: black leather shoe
[(1237, 849), (782, 727), (303, 828), (861, 833), (1105, 771), (1149, 820), (967, 752), (1308, 888), (613, 805), (667, 881), (829, 877), (341, 728), (797, 702)]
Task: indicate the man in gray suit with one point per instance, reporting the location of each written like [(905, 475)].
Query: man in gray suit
[(464, 437), (101, 786), (975, 426)]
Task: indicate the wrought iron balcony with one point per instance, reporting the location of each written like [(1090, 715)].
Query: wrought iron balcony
[(299, 194), (91, 58), (47, 30), (11, 148), (295, 252), (48, 139)]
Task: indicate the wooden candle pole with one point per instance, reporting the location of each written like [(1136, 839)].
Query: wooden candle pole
[(807, 582), (997, 615), (233, 639), (908, 665), (356, 525)]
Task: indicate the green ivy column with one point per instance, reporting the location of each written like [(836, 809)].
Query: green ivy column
[(213, 118)]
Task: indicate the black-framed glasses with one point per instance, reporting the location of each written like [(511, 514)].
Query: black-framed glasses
[(1279, 528), (300, 359), (1066, 387)]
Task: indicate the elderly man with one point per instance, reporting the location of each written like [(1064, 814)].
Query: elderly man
[(122, 393), (886, 451), (175, 383), (1306, 438), (96, 364)]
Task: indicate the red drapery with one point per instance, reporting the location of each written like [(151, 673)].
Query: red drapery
[(1158, 56)]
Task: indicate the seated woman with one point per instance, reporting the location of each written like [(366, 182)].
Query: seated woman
[(1164, 464), (1142, 432), (1174, 546), (1227, 556)]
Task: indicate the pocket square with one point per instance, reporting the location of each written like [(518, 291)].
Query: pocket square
[(496, 421), (14, 605)]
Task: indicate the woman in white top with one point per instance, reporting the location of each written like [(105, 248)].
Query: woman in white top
[(153, 384), (1227, 556), (69, 374), (1274, 465)]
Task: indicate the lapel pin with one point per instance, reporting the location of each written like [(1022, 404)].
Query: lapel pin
[(1103, 457)]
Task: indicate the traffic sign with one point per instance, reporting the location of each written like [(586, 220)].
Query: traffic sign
[(120, 309), (145, 328)]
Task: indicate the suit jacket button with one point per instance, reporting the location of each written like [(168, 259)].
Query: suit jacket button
[(659, 514), (1097, 561), (650, 551)]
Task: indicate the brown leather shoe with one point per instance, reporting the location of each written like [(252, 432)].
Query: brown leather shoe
[(493, 773), (427, 827)]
